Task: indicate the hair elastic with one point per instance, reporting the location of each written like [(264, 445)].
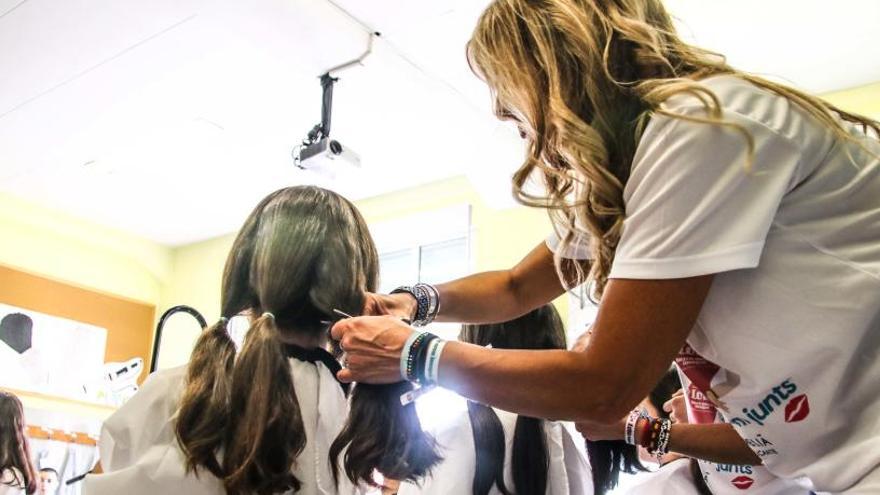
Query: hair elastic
[(269, 315)]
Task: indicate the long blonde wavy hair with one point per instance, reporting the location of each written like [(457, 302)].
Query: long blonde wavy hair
[(582, 78)]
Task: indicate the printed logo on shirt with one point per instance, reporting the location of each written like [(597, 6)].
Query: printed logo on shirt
[(796, 410), (742, 482), (733, 469)]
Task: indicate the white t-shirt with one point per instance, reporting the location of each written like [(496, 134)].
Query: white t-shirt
[(724, 479), (674, 478), (569, 472), (140, 454), (793, 316)]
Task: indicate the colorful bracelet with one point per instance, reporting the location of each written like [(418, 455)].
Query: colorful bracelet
[(659, 443), (646, 433)]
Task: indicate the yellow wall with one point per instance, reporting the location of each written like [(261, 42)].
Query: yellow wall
[(53, 244), (864, 100)]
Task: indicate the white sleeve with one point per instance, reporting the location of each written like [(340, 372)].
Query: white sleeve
[(143, 422), (692, 207), (580, 474), (578, 250)]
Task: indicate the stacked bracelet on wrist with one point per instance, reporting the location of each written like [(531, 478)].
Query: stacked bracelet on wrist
[(427, 302), (657, 442), (420, 359)]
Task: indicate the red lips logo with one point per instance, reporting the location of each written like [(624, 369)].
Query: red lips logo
[(797, 409), (742, 482)]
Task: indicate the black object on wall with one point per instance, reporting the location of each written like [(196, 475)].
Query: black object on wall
[(157, 340)]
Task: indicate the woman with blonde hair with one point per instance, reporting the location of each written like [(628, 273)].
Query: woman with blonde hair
[(701, 205), (18, 475)]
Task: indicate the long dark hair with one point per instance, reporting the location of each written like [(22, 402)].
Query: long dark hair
[(668, 385), (609, 458), (15, 452), (541, 329), (301, 253)]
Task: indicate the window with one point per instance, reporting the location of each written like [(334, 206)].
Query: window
[(581, 313), (431, 247)]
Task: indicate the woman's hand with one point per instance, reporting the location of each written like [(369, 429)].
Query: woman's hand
[(677, 408), (598, 431), (401, 305), (372, 345)]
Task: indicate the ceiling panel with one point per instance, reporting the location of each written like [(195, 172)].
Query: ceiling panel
[(171, 118)]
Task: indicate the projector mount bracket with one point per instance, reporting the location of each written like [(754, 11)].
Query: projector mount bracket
[(322, 130)]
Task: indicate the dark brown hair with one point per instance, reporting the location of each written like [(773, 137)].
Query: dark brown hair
[(610, 458), (301, 253), (539, 329), (15, 452)]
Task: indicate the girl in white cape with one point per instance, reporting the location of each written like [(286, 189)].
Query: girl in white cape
[(266, 420)]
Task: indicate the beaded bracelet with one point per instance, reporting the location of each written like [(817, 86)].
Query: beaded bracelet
[(405, 355), (411, 358), (659, 444), (646, 432), (434, 302), (427, 302)]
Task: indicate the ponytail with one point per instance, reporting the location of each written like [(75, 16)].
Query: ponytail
[(267, 434), (530, 461), (489, 447), (204, 407), (381, 435), (609, 458), (697, 475)]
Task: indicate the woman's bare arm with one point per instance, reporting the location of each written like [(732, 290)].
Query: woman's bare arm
[(641, 326), (487, 297), (718, 443)]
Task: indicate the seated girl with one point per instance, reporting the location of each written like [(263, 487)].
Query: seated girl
[(264, 420), (490, 451)]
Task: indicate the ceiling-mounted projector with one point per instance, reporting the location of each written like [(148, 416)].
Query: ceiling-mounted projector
[(325, 155), (318, 152)]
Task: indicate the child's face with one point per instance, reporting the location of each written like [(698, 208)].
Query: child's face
[(48, 482)]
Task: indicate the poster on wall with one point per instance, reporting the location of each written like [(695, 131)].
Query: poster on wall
[(50, 355)]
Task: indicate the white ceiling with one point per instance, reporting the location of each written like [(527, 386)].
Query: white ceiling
[(171, 118)]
